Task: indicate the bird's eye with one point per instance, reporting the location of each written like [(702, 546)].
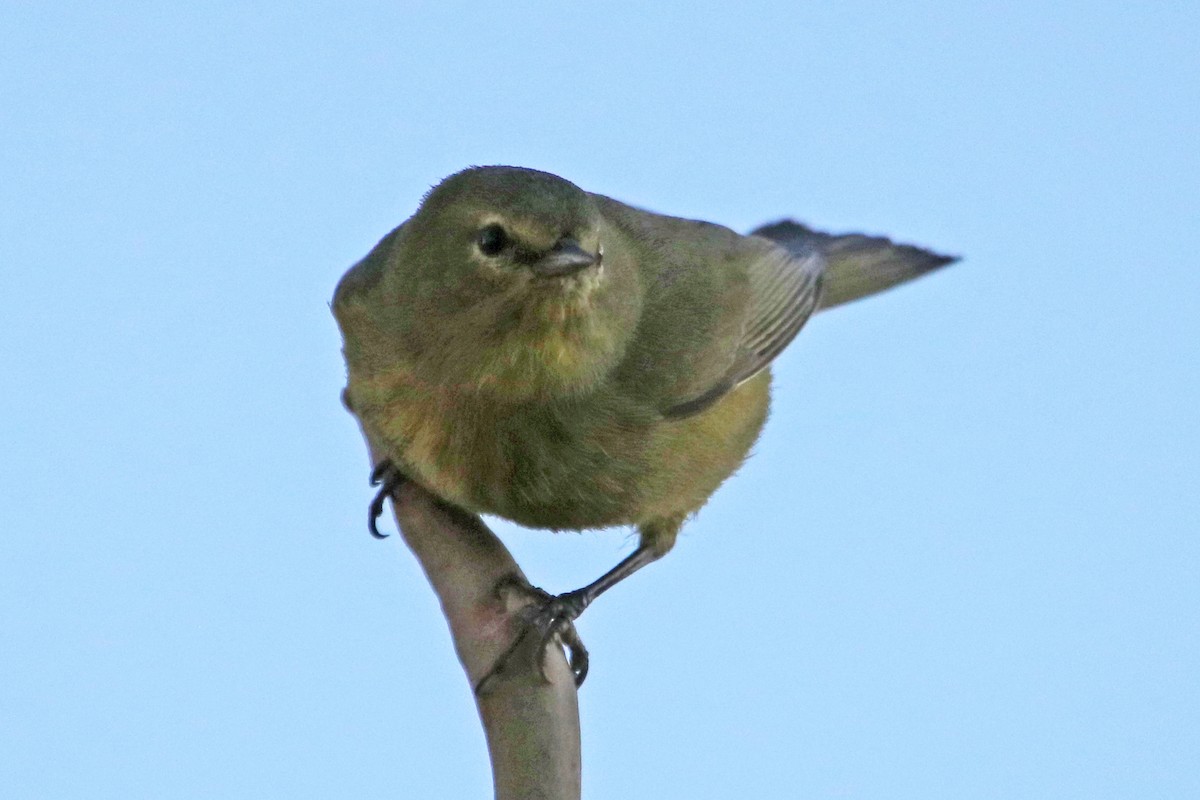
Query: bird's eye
[(492, 240)]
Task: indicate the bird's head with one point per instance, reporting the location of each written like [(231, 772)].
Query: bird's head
[(511, 228), (500, 282)]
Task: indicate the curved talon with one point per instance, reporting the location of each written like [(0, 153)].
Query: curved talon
[(555, 619), (384, 473), (551, 619), (577, 654), (374, 512)]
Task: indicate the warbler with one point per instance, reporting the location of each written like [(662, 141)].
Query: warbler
[(524, 348)]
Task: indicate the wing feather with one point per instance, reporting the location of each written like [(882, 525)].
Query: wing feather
[(785, 290)]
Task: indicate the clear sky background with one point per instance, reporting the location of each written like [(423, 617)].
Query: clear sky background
[(963, 563)]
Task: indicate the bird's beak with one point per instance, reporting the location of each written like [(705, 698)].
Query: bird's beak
[(566, 258)]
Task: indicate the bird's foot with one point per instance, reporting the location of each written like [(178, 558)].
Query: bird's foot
[(551, 620), (388, 478)]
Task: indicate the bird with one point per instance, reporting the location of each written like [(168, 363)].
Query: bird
[(524, 348)]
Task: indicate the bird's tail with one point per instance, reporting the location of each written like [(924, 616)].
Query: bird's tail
[(858, 265)]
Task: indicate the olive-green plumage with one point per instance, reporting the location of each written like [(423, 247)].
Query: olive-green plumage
[(527, 349)]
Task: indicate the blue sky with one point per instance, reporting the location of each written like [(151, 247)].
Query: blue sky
[(963, 562)]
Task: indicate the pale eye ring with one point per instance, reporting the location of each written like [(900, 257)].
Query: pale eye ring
[(492, 240)]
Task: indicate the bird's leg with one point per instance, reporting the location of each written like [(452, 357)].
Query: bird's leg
[(391, 478), (551, 617)]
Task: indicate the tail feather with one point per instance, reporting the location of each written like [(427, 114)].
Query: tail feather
[(858, 265)]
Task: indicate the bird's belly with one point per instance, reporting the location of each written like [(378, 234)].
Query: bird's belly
[(540, 466), (579, 464)]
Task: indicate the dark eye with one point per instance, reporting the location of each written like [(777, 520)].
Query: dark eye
[(492, 240)]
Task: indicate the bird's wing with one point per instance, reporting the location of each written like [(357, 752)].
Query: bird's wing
[(717, 306), (784, 291)]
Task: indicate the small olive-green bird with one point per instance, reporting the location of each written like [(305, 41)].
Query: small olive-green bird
[(524, 348)]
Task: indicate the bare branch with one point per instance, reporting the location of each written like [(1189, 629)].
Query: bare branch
[(531, 721)]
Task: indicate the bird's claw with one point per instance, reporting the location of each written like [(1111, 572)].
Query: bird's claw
[(551, 618), (388, 479)]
